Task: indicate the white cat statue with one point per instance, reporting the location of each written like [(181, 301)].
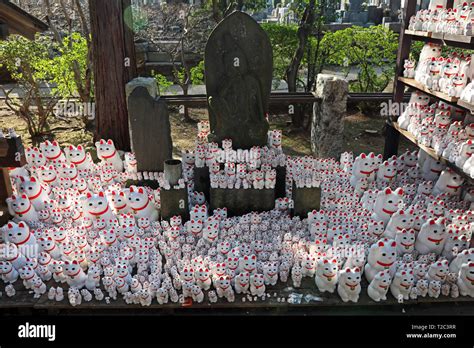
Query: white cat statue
[(387, 203), (379, 286), (348, 286), (21, 208), (466, 280), (431, 237), (75, 276), (108, 154), (141, 204), (402, 284), (327, 275), (382, 256)]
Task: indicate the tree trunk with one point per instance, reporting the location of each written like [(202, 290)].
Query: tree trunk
[(113, 56), (303, 33)]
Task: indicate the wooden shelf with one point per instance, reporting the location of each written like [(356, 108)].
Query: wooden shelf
[(418, 33), (452, 100), (421, 87), (466, 105), (462, 41), (430, 151)]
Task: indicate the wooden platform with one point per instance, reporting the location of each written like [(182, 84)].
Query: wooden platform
[(23, 302)]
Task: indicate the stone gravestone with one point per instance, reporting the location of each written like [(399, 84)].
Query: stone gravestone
[(238, 66), (150, 130)]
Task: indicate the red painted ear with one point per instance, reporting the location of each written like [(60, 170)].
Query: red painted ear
[(357, 269), (109, 142), (101, 194), (325, 261), (388, 191), (432, 222), (140, 190), (131, 189), (348, 270), (55, 143), (74, 262), (88, 195), (9, 225), (381, 244), (334, 261), (394, 244)]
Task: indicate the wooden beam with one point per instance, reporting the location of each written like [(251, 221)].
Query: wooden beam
[(392, 137)]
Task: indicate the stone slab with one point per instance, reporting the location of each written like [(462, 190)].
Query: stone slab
[(242, 201), (174, 202), (201, 181), (150, 130), (305, 200), (238, 65)]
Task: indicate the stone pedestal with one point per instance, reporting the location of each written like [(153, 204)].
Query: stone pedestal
[(327, 128), (242, 201), (174, 202), (305, 200), (280, 186), (150, 131), (201, 181), (150, 183)]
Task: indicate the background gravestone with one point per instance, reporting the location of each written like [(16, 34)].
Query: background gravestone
[(238, 66), (150, 130)]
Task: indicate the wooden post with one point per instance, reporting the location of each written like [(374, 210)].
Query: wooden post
[(113, 55), (392, 136), (12, 154)]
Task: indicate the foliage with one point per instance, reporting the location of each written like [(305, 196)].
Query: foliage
[(162, 83), (72, 53), (372, 51), (284, 42), (197, 74), (28, 63), (222, 5)]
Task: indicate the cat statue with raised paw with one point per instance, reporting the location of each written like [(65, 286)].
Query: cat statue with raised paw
[(75, 276), (402, 284), (431, 237), (21, 208), (434, 288), (296, 276), (242, 283), (107, 153), (20, 235), (438, 270), (382, 256), (405, 241), (348, 286), (466, 279), (387, 203), (378, 287), (141, 204), (8, 272), (327, 275), (449, 182), (257, 284), (224, 288)]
